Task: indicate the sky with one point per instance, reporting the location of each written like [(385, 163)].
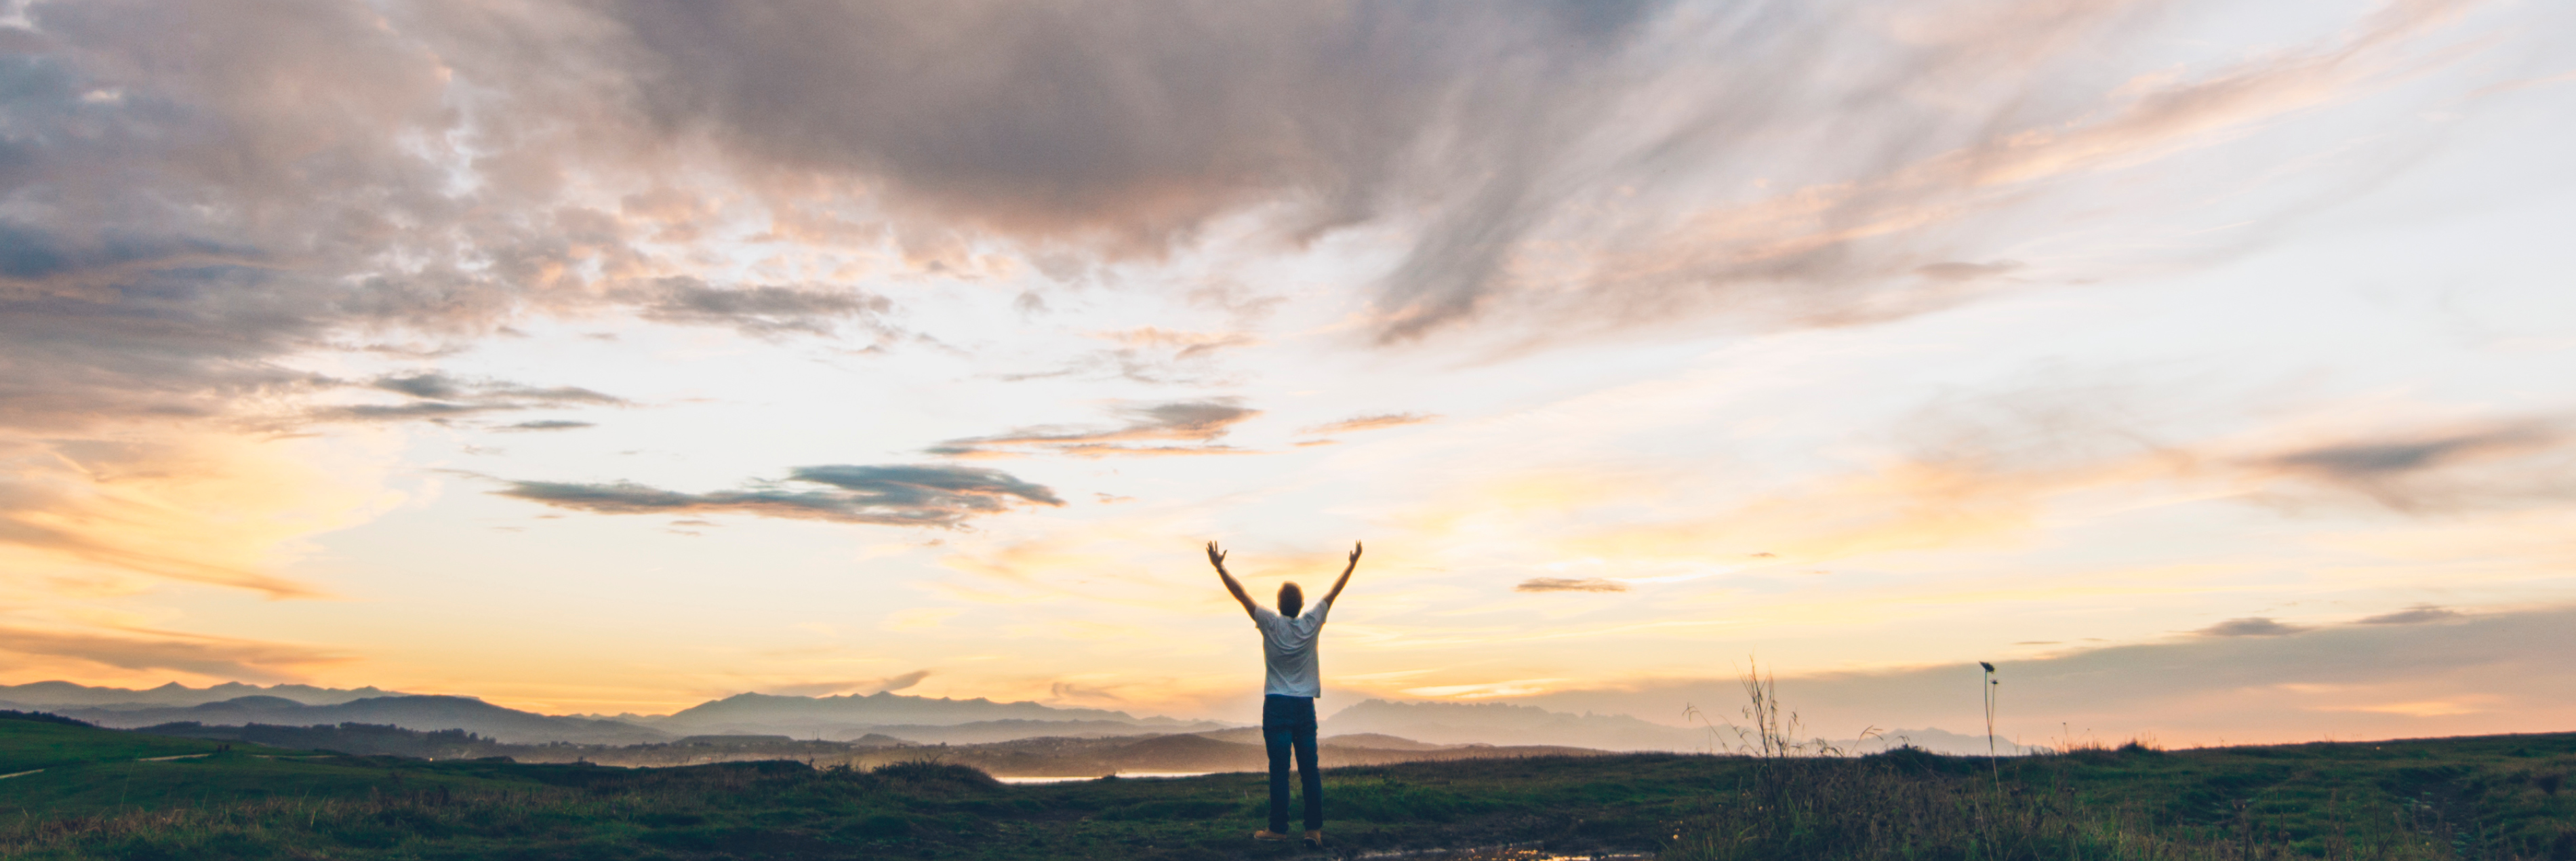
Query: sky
[(2202, 365)]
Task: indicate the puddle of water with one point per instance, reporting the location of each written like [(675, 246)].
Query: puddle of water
[(1124, 775), (1518, 852)]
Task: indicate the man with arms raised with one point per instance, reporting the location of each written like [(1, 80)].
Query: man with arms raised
[(1289, 687)]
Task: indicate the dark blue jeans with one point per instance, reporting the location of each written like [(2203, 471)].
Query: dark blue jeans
[(1290, 722)]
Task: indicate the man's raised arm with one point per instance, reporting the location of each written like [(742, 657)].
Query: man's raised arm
[(1217, 558), (1346, 574)]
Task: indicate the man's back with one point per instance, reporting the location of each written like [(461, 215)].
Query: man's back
[(1288, 650)]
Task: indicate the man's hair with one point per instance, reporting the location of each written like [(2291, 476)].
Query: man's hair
[(1291, 599)]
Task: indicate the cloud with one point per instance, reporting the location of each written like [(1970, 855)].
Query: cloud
[(438, 397), (1186, 345), (1149, 354), (1887, 186), (259, 181), (1986, 469), (2405, 472), (1560, 584), (2365, 461), (546, 425), (1966, 271), (901, 682), (1198, 422), (18, 532), (434, 386), (1071, 691), (2415, 615), (247, 660), (1369, 422), (1155, 120), (114, 515), (1572, 161), (854, 687), (762, 311), (2255, 626), (889, 495)]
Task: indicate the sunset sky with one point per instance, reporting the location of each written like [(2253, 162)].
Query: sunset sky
[(2205, 365)]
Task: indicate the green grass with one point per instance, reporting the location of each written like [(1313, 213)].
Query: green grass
[(26, 745), (2493, 797), (2473, 798)]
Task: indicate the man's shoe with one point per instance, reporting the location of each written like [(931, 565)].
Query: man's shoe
[(1314, 840), (1267, 834)]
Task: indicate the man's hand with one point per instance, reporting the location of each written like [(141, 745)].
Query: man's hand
[(1346, 574), (1217, 558)]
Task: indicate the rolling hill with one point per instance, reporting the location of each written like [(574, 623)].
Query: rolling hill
[(409, 712)]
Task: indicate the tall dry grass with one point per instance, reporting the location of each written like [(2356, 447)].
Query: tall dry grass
[(1805, 800)]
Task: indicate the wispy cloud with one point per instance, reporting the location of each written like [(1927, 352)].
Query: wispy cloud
[(2252, 626), (222, 657), (437, 396), (1184, 345), (1893, 185), (1369, 422), (1505, 145), (2415, 615), (203, 509), (890, 495), (2403, 471), (1149, 354), (1196, 424), (1561, 584), (853, 686), (546, 425), (764, 311)]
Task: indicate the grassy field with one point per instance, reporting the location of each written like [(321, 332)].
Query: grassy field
[(2472, 798)]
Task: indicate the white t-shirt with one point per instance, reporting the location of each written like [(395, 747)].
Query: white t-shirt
[(1288, 650)]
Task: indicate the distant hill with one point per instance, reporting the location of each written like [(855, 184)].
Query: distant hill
[(836, 715), (1052, 756), (29, 743), (1507, 724), (47, 695), (987, 732), (913, 719), (898, 715), (409, 712)]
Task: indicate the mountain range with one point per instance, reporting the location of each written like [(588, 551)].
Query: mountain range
[(918, 720), (849, 715), (409, 712)]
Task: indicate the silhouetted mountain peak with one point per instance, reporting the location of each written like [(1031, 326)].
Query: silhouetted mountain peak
[(252, 702), (807, 716), (425, 713)]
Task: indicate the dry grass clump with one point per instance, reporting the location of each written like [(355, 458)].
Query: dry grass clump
[(1804, 800)]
